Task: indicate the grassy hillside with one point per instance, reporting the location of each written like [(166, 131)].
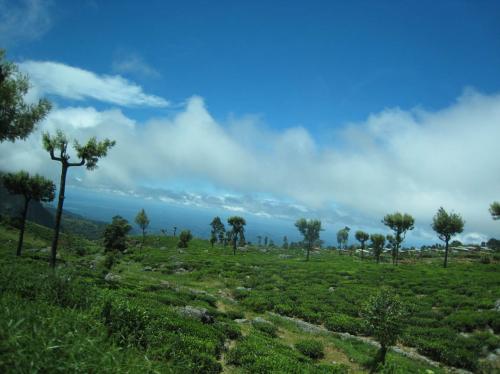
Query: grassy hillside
[(159, 309)]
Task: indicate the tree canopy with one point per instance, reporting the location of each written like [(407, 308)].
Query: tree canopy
[(310, 230), (17, 118), (447, 225), (238, 230), (378, 242), (142, 220), (115, 234), (495, 210), (400, 224)]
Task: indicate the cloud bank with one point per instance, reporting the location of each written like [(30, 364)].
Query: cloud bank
[(396, 160), (53, 78)]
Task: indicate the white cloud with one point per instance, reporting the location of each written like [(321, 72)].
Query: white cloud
[(134, 64), (53, 78), (413, 161), (23, 20)]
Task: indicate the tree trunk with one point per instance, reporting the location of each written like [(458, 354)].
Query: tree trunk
[(378, 258), (446, 253), (23, 225), (143, 237), (234, 245), (362, 249), (308, 250), (60, 202)]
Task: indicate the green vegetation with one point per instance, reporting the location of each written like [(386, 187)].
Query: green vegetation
[(161, 310), (400, 224), (115, 234), (89, 154), (17, 118), (310, 231), (142, 220), (447, 225), (184, 238)]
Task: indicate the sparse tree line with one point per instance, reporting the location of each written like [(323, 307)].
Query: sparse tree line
[(18, 119)]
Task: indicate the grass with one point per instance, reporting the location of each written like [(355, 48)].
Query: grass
[(75, 321)]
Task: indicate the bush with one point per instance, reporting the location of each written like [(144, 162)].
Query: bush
[(184, 238), (266, 327), (115, 234), (310, 348), (344, 323)]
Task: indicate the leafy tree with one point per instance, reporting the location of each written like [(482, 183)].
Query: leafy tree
[(310, 230), (17, 118), (175, 230), (115, 234), (384, 314), (400, 224), (446, 225), (218, 229), (142, 220), (265, 241), (343, 237), (493, 243), (455, 243), (238, 230), (285, 242), (378, 242), (362, 237), (89, 154), (213, 238), (35, 188), (495, 210), (184, 238)]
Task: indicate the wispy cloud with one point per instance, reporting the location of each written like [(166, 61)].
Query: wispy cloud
[(53, 78), (408, 160), (135, 65), (23, 20)]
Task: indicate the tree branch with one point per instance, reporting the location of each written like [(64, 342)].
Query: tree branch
[(81, 163), (53, 157)]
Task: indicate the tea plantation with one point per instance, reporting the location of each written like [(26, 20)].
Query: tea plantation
[(160, 309)]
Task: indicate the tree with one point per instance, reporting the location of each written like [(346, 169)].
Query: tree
[(17, 118), (115, 234), (213, 238), (285, 242), (35, 188), (265, 241), (362, 237), (384, 314), (259, 240), (400, 224), (175, 230), (447, 225), (310, 230), (238, 230), (184, 237), (343, 237), (142, 221), (218, 229), (89, 154), (378, 242), (495, 210)]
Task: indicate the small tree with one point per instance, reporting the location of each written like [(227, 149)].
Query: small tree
[(343, 237), (310, 230), (17, 118), (400, 224), (447, 225), (495, 210), (259, 240), (218, 229), (383, 315), (238, 230), (378, 242), (142, 220), (184, 238), (175, 230), (89, 154), (362, 237), (265, 241), (35, 188), (213, 238), (115, 234)]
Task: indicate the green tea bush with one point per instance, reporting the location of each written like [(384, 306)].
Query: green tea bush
[(266, 327), (310, 348), (345, 323)]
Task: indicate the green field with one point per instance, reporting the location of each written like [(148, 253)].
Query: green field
[(204, 310)]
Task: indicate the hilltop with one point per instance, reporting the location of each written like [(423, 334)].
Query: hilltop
[(202, 309)]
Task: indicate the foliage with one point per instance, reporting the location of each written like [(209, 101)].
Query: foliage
[(447, 225), (400, 224), (495, 210), (362, 237), (142, 220), (218, 230), (384, 314), (35, 188), (343, 237), (311, 348), (238, 230), (115, 234), (17, 118), (310, 230), (184, 238), (266, 327), (378, 242)]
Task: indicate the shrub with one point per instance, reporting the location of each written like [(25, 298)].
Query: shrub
[(266, 327), (310, 348), (184, 238), (115, 234), (344, 323)]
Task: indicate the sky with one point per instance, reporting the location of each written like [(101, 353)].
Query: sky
[(338, 110)]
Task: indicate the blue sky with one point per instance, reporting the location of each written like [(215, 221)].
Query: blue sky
[(339, 84)]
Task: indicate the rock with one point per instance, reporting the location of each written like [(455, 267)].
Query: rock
[(247, 277), (261, 320), (331, 289), (163, 248), (110, 277), (200, 314), (241, 320), (283, 256), (147, 268), (180, 271), (497, 305), (165, 284), (243, 289), (181, 251)]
